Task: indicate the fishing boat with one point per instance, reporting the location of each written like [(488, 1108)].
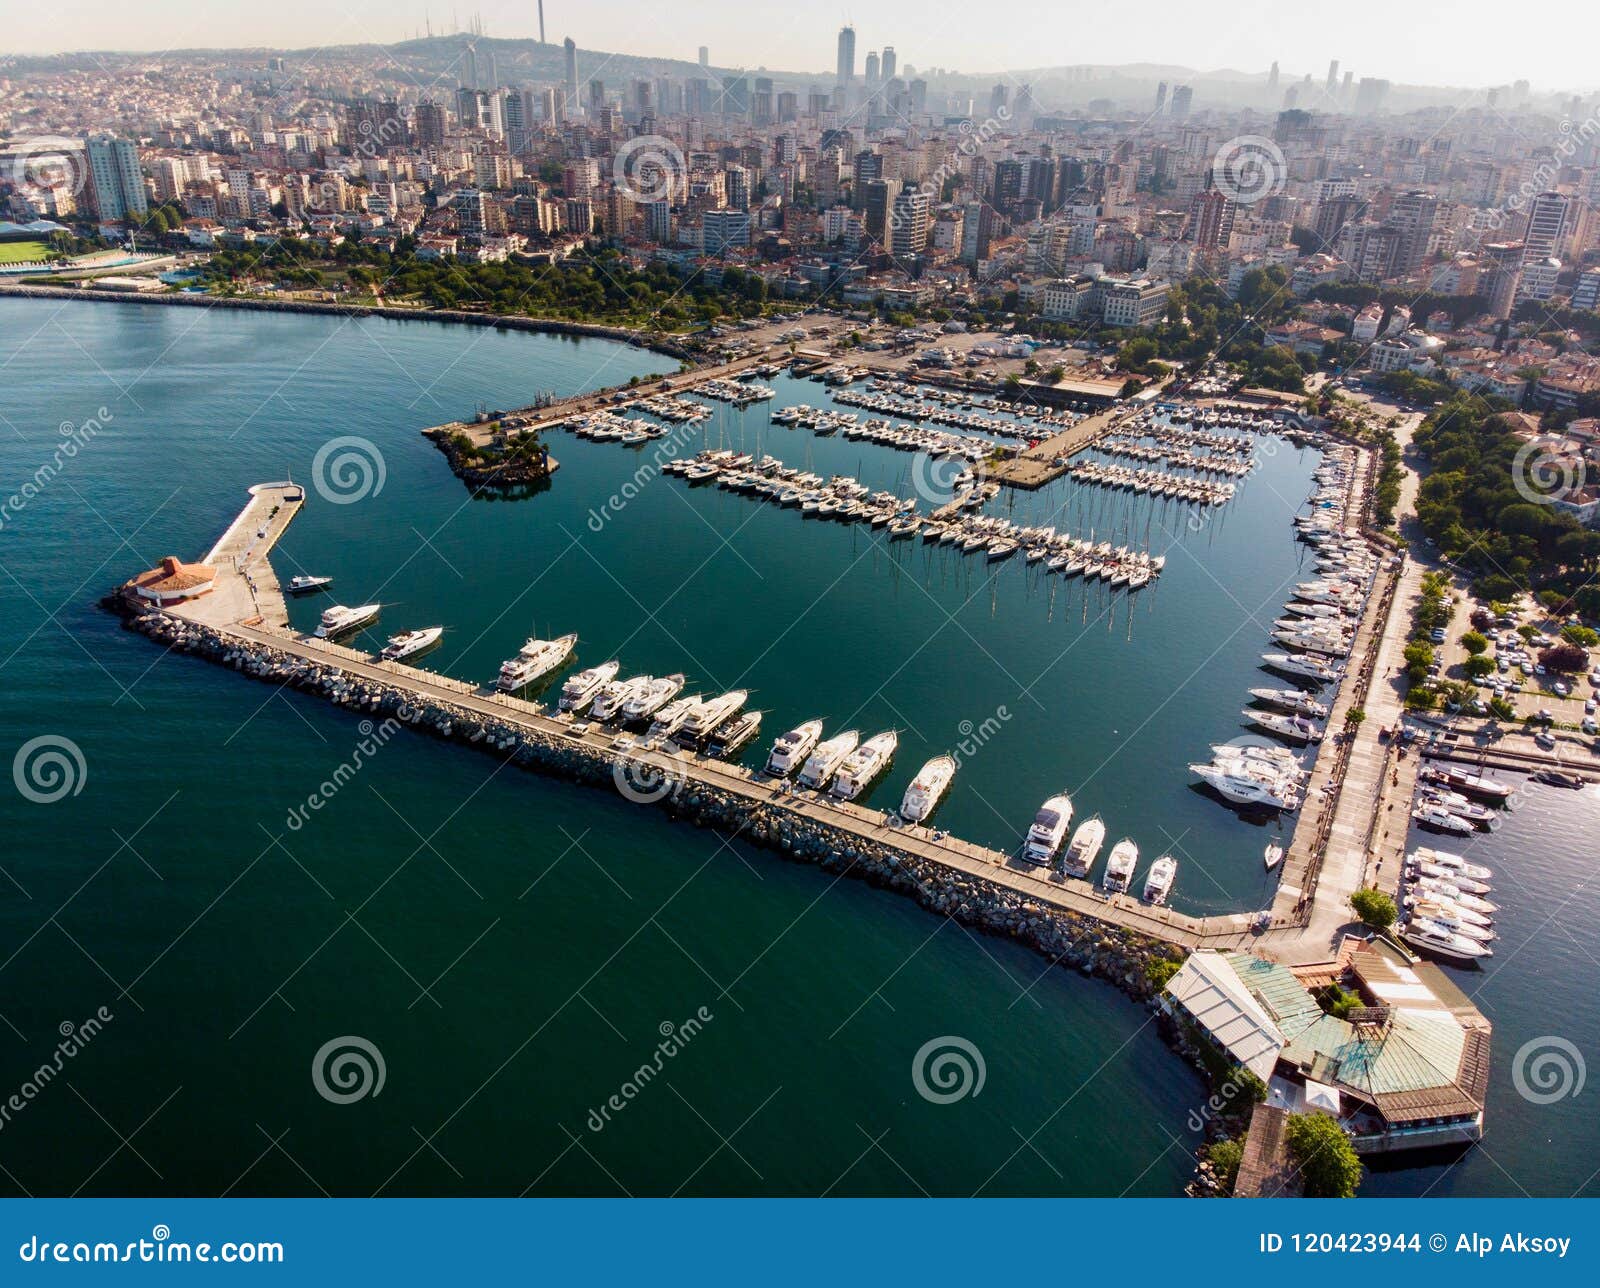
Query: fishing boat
[(410, 643), (1084, 847), (790, 749), (927, 789), (341, 619), (1158, 882), (864, 764), (1120, 863)]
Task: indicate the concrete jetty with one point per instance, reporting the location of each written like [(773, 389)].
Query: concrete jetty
[(1047, 461)]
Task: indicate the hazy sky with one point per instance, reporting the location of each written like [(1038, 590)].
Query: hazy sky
[(1464, 42)]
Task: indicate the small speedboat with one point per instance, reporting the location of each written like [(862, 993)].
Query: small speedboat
[(304, 585), (1273, 855)]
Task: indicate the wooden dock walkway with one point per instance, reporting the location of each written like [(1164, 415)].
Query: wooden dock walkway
[(1047, 461)]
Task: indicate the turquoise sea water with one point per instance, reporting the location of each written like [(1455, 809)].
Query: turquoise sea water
[(513, 947)]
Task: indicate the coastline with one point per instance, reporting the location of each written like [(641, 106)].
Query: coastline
[(544, 326)]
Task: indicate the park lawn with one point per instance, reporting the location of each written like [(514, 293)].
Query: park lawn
[(21, 252)]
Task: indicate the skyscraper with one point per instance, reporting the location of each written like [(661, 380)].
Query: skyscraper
[(1161, 97), (1551, 219), (1182, 99), (847, 55), (1272, 77), (1333, 77), (116, 182), (570, 48), (871, 72), (888, 63), (705, 56), (1503, 268)]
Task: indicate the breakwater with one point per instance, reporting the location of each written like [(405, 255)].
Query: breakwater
[(1084, 942)]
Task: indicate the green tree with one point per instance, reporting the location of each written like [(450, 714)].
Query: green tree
[(1322, 1153), (1353, 718), (1474, 642), (1225, 1157), (1375, 908), (1479, 666)]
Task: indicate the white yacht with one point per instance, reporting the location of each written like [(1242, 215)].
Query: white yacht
[(1158, 881), (616, 695), (1049, 829), (828, 756), (1437, 817), (1294, 728), (1473, 925), (671, 717), (702, 722), (1312, 668), (536, 659), (341, 620), (1084, 848), (1463, 780), (1246, 784), (1296, 701), (1453, 861), (864, 764), (728, 737), (305, 583), (410, 643), (790, 750), (650, 699), (927, 789), (1120, 863), (1471, 885), (1442, 888), (1439, 940), (580, 688)]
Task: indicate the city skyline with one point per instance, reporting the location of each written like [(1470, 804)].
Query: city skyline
[(1425, 45)]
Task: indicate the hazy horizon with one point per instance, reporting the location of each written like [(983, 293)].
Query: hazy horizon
[(1430, 44)]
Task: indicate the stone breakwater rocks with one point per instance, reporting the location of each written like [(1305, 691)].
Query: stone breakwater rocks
[(1083, 943)]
